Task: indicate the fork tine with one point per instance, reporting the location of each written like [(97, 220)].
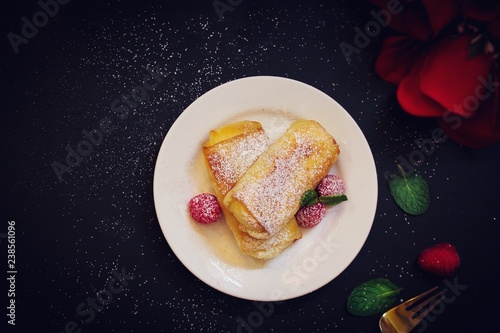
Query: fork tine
[(407, 315), (421, 305), (431, 307), (415, 299)]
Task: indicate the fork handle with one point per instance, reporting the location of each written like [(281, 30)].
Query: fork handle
[(386, 327)]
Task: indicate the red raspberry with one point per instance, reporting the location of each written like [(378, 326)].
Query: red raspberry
[(309, 216), (441, 259), (331, 185), (204, 208)]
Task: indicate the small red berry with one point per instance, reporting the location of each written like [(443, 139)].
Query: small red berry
[(309, 216), (441, 259), (331, 185), (204, 208)]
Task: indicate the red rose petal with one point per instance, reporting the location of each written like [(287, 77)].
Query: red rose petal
[(411, 20), (478, 131), (396, 57), (441, 13), (448, 77), (411, 99)]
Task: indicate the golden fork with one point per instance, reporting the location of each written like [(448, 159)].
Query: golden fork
[(406, 316)]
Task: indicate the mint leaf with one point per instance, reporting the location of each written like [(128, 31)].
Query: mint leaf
[(332, 200), (411, 193), (309, 198), (371, 297)]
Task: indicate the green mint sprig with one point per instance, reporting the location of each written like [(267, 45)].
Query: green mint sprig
[(311, 197), (410, 192), (371, 297)]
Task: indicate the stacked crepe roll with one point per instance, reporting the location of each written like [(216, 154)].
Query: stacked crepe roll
[(259, 186)]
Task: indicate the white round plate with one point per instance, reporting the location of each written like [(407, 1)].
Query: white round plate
[(210, 251)]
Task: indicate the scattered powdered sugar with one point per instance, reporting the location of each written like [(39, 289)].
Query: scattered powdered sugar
[(228, 161), (232, 158), (269, 199), (272, 190), (275, 243)]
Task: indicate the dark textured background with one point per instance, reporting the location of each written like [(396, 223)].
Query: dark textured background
[(72, 235)]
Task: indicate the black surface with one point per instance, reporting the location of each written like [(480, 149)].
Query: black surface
[(72, 235)]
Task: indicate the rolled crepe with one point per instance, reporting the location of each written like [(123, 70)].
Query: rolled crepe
[(229, 153), (268, 195)]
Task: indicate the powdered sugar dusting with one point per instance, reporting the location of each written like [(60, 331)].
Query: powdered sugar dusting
[(228, 160), (295, 163), (269, 199), (276, 243), (232, 158)]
